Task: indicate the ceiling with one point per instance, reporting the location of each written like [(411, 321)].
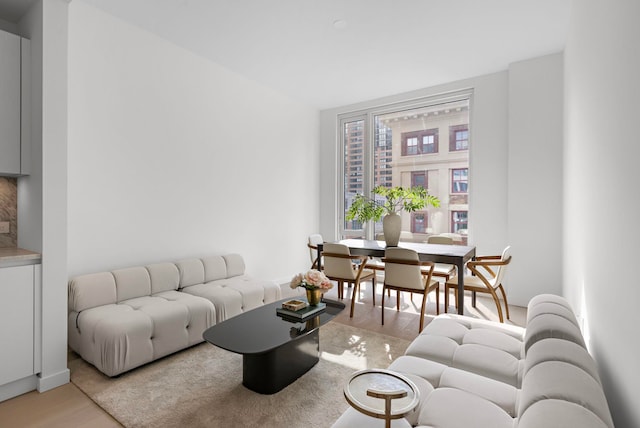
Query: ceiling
[(328, 53)]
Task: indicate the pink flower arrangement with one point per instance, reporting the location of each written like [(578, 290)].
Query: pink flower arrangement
[(311, 280)]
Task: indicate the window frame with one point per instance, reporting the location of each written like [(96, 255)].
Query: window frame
[(369, 115)]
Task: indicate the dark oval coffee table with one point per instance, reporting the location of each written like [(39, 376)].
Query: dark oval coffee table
[(275, 351)]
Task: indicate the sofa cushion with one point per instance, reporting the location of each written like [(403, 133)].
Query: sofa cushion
[(551, 325), (561, 350), (352, 418), (164, 277), (499, 393), (559, 414), (191, 272), (92, 290), (489, 349), (215, 267), (232, 296), (114, 338), (202, 313), (454, 408), (431, 371), (563, 381), (132, 282), (235, 265)]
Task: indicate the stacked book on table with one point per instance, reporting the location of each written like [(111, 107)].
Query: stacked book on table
[(299, 310)]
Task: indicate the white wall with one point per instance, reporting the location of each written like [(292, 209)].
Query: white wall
[(172, 156), (535, 177), (602, 65)]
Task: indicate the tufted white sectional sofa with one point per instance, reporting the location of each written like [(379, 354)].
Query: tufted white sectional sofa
[(125, 318), (476, 373)]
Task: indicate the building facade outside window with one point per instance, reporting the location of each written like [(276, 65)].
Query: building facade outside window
[(398, 145)]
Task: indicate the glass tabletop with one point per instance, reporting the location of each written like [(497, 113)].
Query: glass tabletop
[(366, 389)]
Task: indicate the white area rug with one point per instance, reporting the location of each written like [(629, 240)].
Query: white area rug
[(202, 386)]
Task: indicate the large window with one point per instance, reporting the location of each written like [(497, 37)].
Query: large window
[(398, 145)]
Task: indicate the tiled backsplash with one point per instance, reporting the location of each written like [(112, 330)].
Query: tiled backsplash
[(9, 210)]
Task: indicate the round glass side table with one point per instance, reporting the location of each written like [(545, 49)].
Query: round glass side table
[(381, 394)]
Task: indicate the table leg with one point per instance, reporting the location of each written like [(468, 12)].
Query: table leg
[(460, 302), (271, 371)]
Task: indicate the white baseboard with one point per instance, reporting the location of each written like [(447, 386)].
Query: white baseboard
[(18, 387), (53, 381)]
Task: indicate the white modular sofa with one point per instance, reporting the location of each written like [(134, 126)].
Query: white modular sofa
[(475, 373), (123, 319)]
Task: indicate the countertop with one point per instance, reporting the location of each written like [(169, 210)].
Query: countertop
[(18, 257)]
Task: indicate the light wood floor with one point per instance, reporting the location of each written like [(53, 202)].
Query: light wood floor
[(67, 406)]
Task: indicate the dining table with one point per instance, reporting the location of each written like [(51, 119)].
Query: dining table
[(457, 255)]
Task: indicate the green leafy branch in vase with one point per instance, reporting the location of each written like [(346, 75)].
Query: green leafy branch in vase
[(397, 199)]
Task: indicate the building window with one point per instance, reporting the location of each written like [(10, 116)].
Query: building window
[(459, 180), (419, 178), (458, 138), (419, 142), (419, 222), (459, 222)]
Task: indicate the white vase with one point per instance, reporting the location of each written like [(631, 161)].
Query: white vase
[(391, 227)]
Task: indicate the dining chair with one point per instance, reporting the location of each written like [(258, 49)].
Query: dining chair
[(405, 272), (339, 266), (487, 273), (312, 244), (442, 270)]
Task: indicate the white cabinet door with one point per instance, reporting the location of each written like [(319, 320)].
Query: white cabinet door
[(10, 63), (16, 323)]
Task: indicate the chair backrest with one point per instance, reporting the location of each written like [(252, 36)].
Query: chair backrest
[(337, 267), (312, 244), (439, 239), (405, 236), (455, 236), (506, 258), (403, 275)]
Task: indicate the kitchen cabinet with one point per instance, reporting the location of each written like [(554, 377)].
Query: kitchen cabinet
[(19, 332), (15, 95)]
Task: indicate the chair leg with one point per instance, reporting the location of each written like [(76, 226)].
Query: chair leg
[(353, 299), (473, 299), (373, 288), (497, 302), (438, 299), (422, 309), (383, 287), (340, 290), (504, 297), (446, 298), (398, 299)]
